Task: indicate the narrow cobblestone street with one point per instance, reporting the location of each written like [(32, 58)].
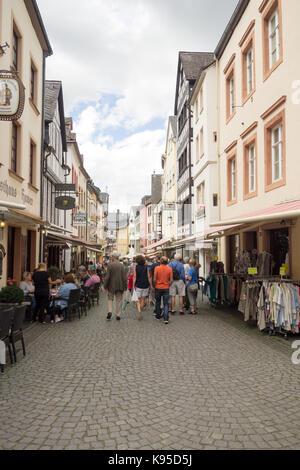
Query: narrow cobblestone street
[(205, 382)]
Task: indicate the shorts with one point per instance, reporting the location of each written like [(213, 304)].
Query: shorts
[(177, 288), (142, 292)]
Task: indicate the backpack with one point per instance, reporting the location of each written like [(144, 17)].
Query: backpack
[(176, 275)]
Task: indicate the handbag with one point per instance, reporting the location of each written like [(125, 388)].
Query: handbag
[(135, 297)]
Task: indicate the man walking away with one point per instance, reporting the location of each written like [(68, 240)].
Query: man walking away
[(178, 286), (163, 278), (115, 283)]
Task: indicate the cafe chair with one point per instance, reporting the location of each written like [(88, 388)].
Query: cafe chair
[(73, 306), (6, 317), (94, 294), (16, 333)]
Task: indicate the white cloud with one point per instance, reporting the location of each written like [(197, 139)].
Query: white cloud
[(123, 167), (127, 48)]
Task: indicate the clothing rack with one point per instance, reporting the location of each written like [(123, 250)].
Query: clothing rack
[(276, 280)]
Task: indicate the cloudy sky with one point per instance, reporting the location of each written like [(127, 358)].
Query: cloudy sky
[(118, 60)]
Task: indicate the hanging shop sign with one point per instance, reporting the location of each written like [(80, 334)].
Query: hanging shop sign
[(65, 203), (63, 188), (12, 96), (79, 220), (200, 212)]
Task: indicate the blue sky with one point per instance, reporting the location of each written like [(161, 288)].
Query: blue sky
[(118, 62)]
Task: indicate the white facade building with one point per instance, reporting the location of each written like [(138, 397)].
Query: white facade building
[(205, 163)]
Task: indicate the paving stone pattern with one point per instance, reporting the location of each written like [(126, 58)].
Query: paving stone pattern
[(205, 382)]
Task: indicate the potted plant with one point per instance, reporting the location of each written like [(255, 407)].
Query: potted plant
[(55, 273), (11, 294)]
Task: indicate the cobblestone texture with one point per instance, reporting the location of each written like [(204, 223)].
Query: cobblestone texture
[(205, 382)]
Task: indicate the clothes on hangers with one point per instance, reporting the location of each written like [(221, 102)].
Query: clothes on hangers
[(251, 259), (271, 304)]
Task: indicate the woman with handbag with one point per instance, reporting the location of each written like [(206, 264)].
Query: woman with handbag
[(192, 288), (142, 282)]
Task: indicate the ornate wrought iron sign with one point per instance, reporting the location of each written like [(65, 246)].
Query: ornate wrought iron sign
[(65, 203), (12, 96)]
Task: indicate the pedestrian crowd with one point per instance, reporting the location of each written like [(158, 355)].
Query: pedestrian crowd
[(155, 284), (144, 282)]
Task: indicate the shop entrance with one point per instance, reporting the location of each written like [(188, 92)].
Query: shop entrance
[(233, 251), (279, 244), (14, 254)]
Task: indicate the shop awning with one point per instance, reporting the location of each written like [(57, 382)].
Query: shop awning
[(218, 232), (184, 241), (287, 210), (158, 244), (58, 237), (93, 249), (28, 217)]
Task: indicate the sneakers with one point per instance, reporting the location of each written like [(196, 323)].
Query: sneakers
[(109, 315), (166, 322), (118, 318)]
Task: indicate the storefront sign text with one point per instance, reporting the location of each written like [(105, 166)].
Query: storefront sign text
[(7, 190)]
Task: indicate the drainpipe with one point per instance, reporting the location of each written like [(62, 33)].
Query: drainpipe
[(190, 163), (41, 245), (218, 151)]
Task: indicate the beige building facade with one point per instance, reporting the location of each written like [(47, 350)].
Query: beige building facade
[(20, 152), (259, 123)]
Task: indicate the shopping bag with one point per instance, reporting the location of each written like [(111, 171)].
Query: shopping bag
[(134, 297), (2, 353)]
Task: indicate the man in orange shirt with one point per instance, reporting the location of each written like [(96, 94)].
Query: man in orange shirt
[(163, 278)]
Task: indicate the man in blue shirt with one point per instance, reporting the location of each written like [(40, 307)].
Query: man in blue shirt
[(178, 286)]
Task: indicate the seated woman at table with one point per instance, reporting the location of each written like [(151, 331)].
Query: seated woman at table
[(93, 280), (60, 301), (28, 289)]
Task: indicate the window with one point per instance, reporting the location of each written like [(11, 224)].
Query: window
[(14, 148), (32, 163), (272, 38), (249, 71), (201, 143), (197, 149), (275, 156), (201, 194), (215, 200), (33, 82), (15, 50), (201, 100), (197, 109), (277, 162), (252, 169), (183, 163), (230, 94), (231, 179)]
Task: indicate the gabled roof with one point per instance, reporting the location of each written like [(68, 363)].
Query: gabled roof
[(233, 22), (193, 64), (54, 97), (38, 25)]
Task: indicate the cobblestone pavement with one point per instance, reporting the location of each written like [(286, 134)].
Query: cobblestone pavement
[(205, 382)]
